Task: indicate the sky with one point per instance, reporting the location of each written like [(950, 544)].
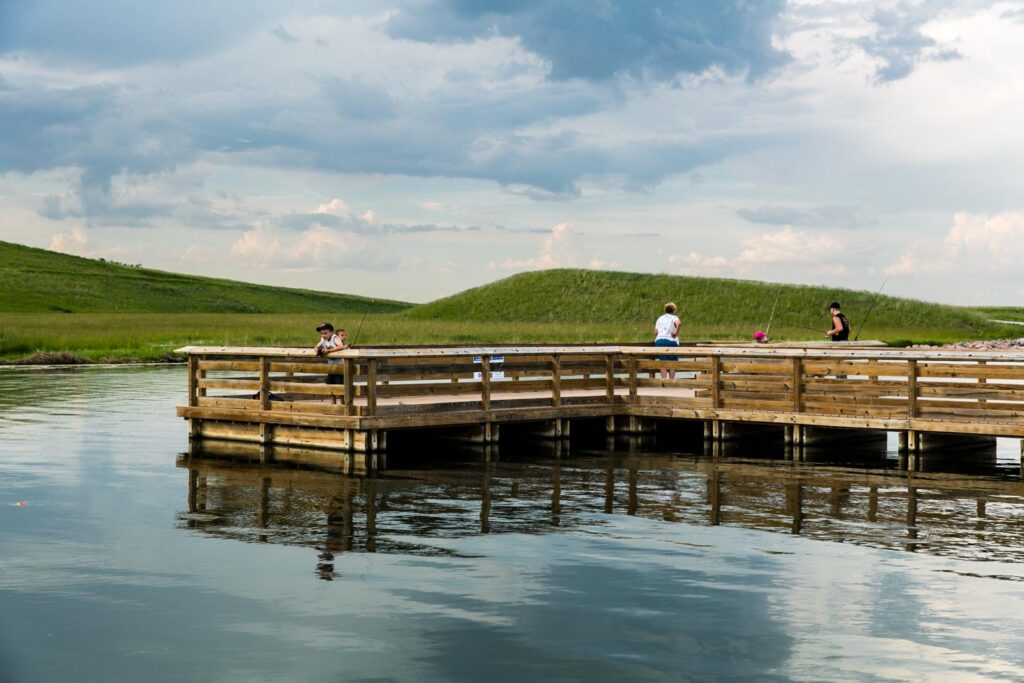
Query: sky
[(411, 149)]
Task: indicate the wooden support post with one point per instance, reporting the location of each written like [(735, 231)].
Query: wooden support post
[(983, 380), (193, 381), (632, 378), (909, 441), (264, 383), (709, 430), (193, 394), (912, 388), (798, 383), (556, 381), (350, 392), (609, 378), (485, 382), (716, 377), (371, 386)]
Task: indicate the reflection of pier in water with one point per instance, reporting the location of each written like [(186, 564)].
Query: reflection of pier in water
[(413, 511)]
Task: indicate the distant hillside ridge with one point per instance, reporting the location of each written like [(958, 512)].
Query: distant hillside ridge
[(38, 281), (637, 299)]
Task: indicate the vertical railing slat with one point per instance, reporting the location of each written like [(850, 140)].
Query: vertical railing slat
[(716, 377), (633, 363), (485, 382), (193, 381), (350, 393), (264, 383), (912, 388), (609, 378), (798, 383), (371, 386), (556, 380)]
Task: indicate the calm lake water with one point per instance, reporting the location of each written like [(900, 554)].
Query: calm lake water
[(123, 557)]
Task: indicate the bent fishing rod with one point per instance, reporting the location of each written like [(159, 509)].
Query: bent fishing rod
[(772, 316), (366, 308), (878, 297)]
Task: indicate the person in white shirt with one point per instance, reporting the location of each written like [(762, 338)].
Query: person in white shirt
[(666, 333), (330, 342)]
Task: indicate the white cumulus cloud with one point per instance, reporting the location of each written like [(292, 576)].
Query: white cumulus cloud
[(316, 248), (72, 242), (791, 246), (976, 244), (335, 207)]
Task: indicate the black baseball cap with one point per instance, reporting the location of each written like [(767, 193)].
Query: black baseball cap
[(324, 326)]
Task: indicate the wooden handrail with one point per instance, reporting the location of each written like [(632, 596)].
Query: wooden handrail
[(388, 386), (837, 350)]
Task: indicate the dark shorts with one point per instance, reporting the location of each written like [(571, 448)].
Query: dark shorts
[(335, 379), (666, 342)]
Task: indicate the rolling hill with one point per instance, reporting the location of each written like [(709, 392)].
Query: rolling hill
[(587, 296), (94, 309), (40, 281)]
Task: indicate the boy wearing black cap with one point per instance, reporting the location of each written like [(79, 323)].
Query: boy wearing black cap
[(331, 342), (840, 325)]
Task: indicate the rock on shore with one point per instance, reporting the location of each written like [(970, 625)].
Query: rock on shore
[(987, 345)]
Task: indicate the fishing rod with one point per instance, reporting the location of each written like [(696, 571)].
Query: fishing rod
[(772, 316), (365, 309), (868, 314), (802, 327)]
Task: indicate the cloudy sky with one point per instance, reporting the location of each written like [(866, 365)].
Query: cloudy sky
[(414, 148)]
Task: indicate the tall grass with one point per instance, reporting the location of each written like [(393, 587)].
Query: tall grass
[(35, 280), (148, 336), (54, 303), (706, 306)]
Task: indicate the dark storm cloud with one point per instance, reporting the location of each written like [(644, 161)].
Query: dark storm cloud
[(45, 128), (656, 39), (138, 125)]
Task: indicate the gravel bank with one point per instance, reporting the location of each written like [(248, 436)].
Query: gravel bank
[(988, 345)]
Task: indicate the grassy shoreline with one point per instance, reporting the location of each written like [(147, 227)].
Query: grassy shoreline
[(67, 309), (151, 337)]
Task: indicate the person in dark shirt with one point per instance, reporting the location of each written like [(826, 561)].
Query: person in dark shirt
[(840, 325)]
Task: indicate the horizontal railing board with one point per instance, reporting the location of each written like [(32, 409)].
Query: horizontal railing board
[(953, 388)]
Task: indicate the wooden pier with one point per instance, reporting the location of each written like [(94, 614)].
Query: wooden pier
[(932, 398)]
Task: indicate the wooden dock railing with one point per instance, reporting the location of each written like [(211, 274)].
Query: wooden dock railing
[(381, 389)]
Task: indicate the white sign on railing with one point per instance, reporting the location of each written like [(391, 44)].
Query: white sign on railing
[(495, 374)]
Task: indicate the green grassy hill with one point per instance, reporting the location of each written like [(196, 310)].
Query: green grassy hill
[(39, 281), (711, 307), (83, 308)]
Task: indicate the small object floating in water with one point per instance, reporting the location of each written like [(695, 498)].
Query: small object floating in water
[(21, 504)]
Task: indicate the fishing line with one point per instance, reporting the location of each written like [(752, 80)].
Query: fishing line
[(772, 316), (868, 314), (365, 309)]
